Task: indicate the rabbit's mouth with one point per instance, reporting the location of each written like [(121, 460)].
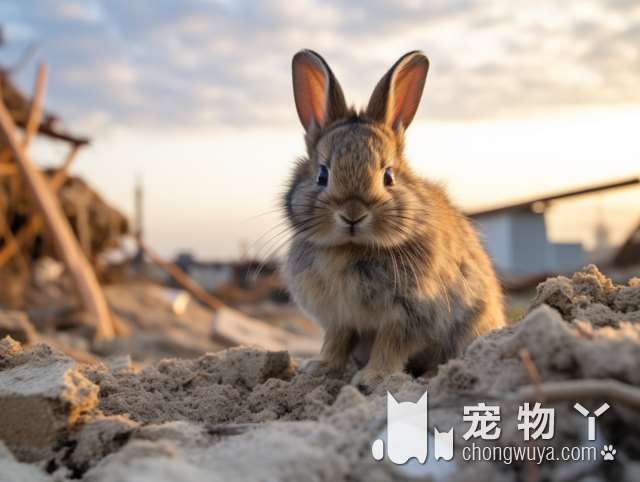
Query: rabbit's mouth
[(364, 227), (354, 236), (345, 233)]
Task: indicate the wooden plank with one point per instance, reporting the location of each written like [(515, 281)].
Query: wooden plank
[(82, 274), (5, 156), (35, 111), (235, 328), (546, 199), (182, 278), (7, 169), (83, 228), (232, 327)]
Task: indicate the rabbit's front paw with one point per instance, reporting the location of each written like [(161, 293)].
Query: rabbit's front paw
[(366, 380), (318, 367)]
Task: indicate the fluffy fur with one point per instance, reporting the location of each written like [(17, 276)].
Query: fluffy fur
[(409, 283)]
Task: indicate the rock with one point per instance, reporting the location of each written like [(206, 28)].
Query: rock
[(9, 349), (589, 295), (11, 470), (16, 325), (42, 392), (98, 438)]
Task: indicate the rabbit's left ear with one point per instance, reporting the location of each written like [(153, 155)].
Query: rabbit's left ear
[(396, 98)]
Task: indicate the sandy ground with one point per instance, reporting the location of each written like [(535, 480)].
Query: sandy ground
[(249, 414)]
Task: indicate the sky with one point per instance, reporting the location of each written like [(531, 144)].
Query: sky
[(194, 97)]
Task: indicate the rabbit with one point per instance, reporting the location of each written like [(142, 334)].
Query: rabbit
[(379, 256)]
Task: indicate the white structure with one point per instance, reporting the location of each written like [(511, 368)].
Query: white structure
[(516, 236), (518, 244)]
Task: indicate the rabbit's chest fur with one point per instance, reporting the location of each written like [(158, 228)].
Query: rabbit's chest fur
[(334, 286), (336, 289)]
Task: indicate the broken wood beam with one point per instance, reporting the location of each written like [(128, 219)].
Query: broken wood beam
[(35, 112), (182, 278), (7, 169)]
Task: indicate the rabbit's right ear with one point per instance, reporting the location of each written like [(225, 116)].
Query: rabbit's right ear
[(319, 98)]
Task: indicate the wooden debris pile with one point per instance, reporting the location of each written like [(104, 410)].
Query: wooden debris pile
[(44, 209), (53, 229), (23, 239), (97, 225)]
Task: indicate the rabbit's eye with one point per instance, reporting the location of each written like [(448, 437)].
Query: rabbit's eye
[(388, 177), (323, 176)]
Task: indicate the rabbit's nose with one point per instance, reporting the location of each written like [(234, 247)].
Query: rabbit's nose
[(351, 221), (352, 213)]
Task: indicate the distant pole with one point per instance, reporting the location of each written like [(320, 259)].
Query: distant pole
[(139, 208), (244, 250)]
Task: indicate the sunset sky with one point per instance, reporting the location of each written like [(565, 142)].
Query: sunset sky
[(195, 97)]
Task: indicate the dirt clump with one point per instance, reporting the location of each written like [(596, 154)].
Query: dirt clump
[(239, 384), (42, 393), (591, 296)]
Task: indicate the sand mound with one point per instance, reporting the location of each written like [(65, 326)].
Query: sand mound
[(559, 350), (239, 384), (249, 414), (591, 296)]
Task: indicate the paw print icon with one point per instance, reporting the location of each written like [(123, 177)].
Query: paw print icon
[(608, 452)]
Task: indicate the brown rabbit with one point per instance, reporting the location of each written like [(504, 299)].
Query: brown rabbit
[(379, 256)]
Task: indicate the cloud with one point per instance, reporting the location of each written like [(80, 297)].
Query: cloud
[(196, 63)]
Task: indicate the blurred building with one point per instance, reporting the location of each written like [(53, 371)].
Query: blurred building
[(516, 235), (213, 275)]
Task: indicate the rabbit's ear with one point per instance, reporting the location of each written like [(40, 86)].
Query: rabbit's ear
[(319, 98), (396, 98)]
